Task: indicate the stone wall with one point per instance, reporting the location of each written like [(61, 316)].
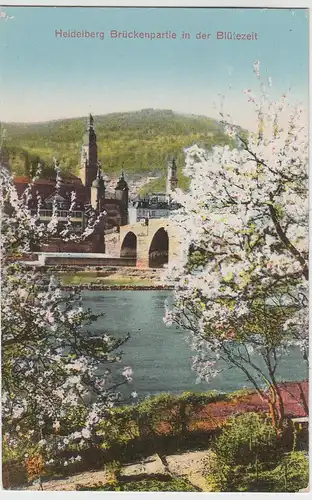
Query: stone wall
[(58, 245), (112, 244), (85, 262)]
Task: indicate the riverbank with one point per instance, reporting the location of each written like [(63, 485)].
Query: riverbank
[(105, 287), (113, 278)]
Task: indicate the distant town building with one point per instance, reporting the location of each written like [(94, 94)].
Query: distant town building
[(153, 206), (156, 205)]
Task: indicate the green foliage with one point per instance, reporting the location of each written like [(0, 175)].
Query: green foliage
[(197, 258), (175, 484), (124, 432), (10, 453), (159, 185), (290, 475), (154, 186), (249, 456), (140, 142), (239, 394), (217, 474), (154, 416), (246, 437), (113, 470)]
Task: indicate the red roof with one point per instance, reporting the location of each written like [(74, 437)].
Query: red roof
[(214, 415), (21, 179), (24, 179), (46, 187), (295, 397)]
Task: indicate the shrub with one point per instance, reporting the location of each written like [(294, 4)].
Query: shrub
[(155, 416), (290, 475), (245, 438), (249, 456), (217, 474), (113, 470)]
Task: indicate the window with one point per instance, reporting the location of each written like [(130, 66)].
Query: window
[(77, 214)]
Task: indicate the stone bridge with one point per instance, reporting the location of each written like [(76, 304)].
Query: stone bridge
[(151, 243)]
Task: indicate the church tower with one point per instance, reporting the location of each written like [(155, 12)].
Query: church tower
[(89, 155), (98, 202), (122, 194), (98, 191), (172, 179)]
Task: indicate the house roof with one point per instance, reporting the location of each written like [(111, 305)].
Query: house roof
[(47, 187), (69, 179)]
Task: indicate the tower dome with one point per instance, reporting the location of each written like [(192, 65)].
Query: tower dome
[(122, 184)]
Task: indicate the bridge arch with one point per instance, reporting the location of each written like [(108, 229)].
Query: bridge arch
[(158, 254), (129, 247)]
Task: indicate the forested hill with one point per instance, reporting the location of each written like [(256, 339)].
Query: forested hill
[(140, 141)]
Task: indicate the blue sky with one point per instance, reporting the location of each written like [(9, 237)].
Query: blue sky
[(44, 77)]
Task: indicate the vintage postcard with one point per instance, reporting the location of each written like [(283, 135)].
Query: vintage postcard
[(154, 249)]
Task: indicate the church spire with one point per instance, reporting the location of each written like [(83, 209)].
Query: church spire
[(172, 179), (90, 122)]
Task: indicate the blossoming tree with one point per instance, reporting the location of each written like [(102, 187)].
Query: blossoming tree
[(241, 285), (53, 391)]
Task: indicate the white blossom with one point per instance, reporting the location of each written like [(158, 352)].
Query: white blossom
[(243, 234), (127, 373), (50, 370)]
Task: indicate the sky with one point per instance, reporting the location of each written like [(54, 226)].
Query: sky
[(45, 77)]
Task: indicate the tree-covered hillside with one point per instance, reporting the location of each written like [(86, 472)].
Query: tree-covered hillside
[(140, 142)]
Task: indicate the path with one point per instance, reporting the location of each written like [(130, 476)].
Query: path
[(190, 465)]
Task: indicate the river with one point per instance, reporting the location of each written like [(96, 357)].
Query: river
[(159, 355)]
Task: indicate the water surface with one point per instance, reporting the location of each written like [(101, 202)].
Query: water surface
[(159, 355)]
